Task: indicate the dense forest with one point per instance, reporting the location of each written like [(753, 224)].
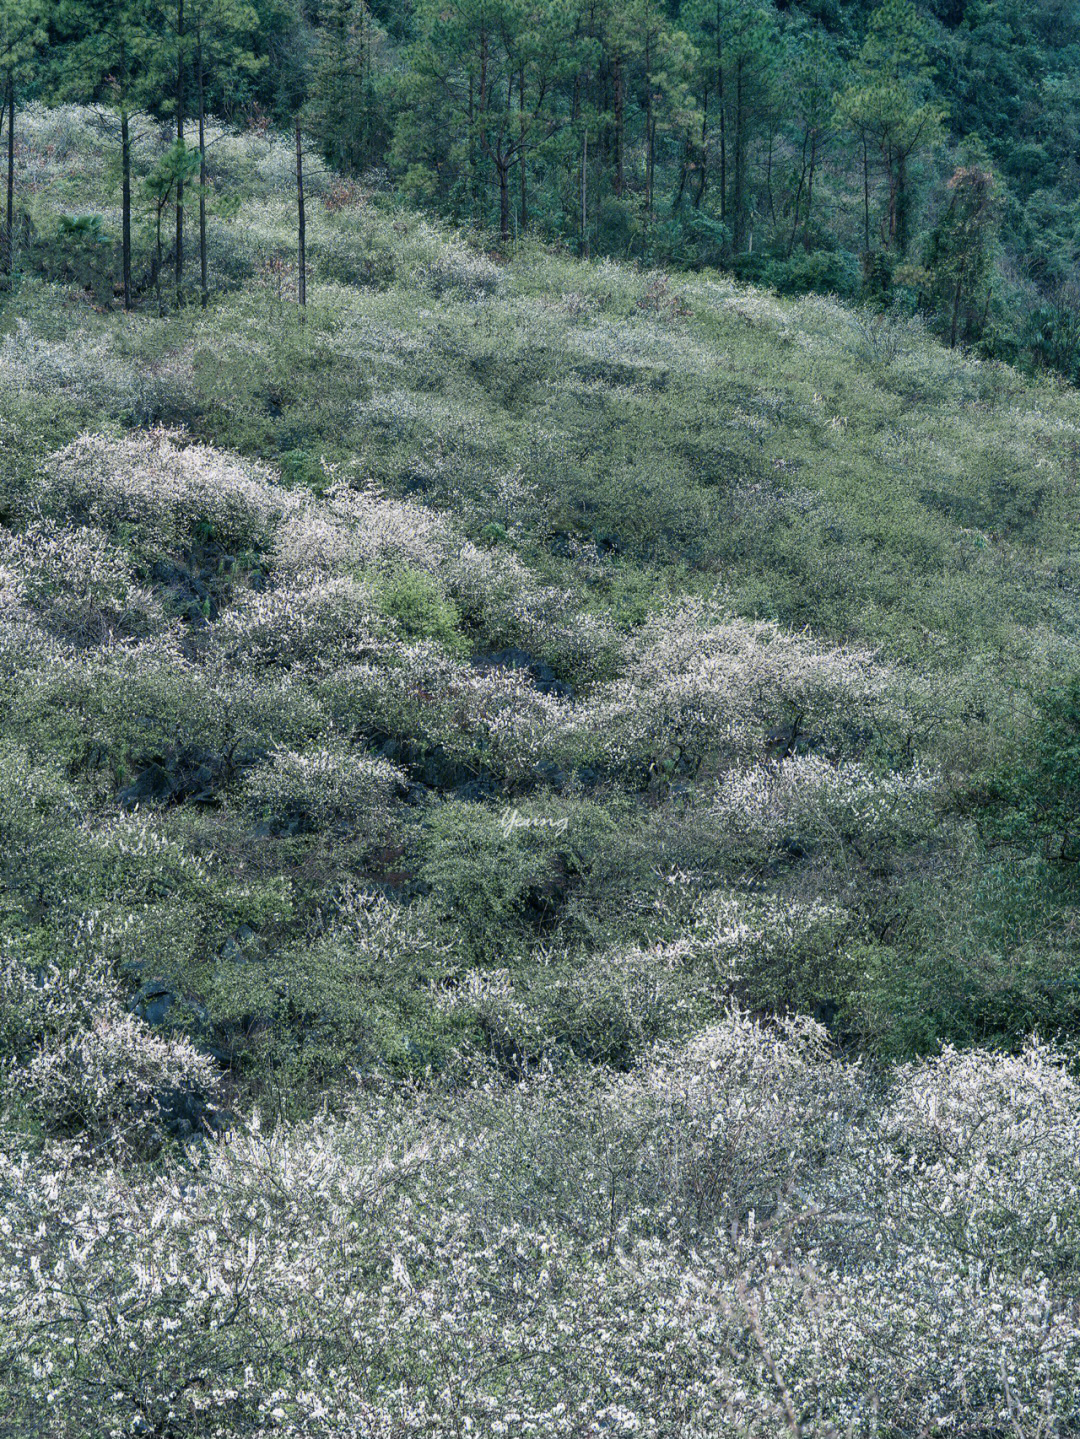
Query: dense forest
[(919, 156)]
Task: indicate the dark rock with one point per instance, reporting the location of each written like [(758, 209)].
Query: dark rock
[(241, 946), (539, 671), (184, 1112), (182, 776), (476, 789), (191, 596), (152, 785), (153, 1001), (286, 826)]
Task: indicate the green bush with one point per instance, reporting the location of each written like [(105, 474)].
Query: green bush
[(421, 609), (820, 272), (503, 876)]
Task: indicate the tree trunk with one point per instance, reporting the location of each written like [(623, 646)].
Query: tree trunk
[(502, 171), (180, 101), (125, 204), (797, 202), (738, 196), (471, 189), (157, 260), (956, 312), (703, 171), (620, 110), (893, 208), (903, 200), (866, 193), (810, 191), (9, 258), (684, 175), (301, 229), (523, 196), (202, 181), (585, 193), (723, 120), (650, 132)]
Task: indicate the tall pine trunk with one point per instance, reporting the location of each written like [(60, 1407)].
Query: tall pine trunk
[(523, 193), (684, 175), (620, 111), (585, 192), (810, 192), (796, 203), (301, 222), (502, 172), (180, 102), (471, 186), (202, 178), (723, 120), (903, 202), (703, 158), (738, 193), (650, 133), (125, 204), (9, 257)]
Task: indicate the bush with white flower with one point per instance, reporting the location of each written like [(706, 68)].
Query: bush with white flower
[(329, 785)]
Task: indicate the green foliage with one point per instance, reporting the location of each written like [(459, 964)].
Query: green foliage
[(644, 468), (505, 875), (1045, 784), (960, 252), (420, 608), (819, 272), (79, 252)]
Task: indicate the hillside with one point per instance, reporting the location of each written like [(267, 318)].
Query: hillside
[(536, 865)]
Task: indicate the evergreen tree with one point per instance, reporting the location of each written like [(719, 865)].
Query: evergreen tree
[(22, 35), (104, 55), (226, 65), (960, 250), (473, 63), (341, 104), (890, 102), (813, 72)]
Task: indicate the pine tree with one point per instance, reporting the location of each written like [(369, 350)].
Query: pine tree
[(960, 250), (226, 65), (104, 57), (22, 35), (890, 104), (339, 110)]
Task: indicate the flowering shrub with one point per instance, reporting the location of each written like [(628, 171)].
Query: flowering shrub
[(807, 801), (458, 270), (116, 1085), (332, 784), (323, 624), (169, 492), (698, 686), (78, 1063), (79, 585), (702, 1243)]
